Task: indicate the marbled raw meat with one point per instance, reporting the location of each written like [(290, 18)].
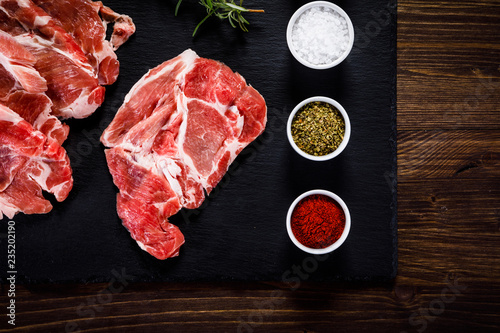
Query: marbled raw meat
[(72, 85), (31, 162), (36, 21), (22, 89), (173, 139), (80, 18), (53, 59)]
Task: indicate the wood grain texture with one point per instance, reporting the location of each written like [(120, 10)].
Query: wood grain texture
[(450, 154), (448, 216), (448, 65)]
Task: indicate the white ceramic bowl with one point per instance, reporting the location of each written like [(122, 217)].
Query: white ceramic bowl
[(299, 12), (347, 133), (335, 245)]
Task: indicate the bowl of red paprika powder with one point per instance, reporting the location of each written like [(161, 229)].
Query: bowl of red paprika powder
[(318, 222)]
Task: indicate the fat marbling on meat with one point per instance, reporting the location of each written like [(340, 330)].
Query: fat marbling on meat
[(178, 130), (31, 162), (54, 59)]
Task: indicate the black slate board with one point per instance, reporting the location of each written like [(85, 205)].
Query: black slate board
[(239, 233)]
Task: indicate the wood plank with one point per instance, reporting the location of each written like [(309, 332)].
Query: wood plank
[(444, 101), (448, 67), (313, 307), (448, 205), (449, 226), (448, 154)]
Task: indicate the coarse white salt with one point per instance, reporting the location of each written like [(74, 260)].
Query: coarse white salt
[(320, 35)]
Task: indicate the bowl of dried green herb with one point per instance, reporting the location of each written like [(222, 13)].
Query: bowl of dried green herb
[(318, 128)]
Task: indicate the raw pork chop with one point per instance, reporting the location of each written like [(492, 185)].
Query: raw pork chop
[(80, 18), (73, 86), (22, 89), (35, 20), (71, 34), (53, 59), (75, 93), (173, 139), (30, 163)]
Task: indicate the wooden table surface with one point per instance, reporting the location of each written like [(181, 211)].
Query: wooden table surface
[(448, 280)]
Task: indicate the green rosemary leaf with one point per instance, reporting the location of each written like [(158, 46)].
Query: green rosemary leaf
[(224, 9), (201, 22), (239, 8), (177, 7), (242, 19), (230, 19)]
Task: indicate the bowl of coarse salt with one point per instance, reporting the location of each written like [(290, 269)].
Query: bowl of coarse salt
[(320, 35)]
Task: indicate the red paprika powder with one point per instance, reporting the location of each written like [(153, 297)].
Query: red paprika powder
[(317, 221)]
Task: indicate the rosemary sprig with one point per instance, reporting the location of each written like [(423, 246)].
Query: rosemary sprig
[(224, 10)]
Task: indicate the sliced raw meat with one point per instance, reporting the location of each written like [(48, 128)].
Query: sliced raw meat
[(35, 19), (80, 18), (18, 62), (53, 58), (123, 26), (30, 163), (22, 89), (35, 109), (74, 93), (10, 25), (173, 139), (72, 85), (144, 203)]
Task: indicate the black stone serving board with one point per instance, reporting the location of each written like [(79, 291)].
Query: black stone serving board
[(239, 233)]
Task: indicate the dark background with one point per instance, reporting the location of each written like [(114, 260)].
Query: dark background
[(239, 233), (448, 124)]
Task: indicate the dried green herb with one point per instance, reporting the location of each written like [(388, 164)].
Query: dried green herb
[(318, 128), (224, 9)]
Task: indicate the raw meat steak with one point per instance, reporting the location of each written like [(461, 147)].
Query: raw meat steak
[(123, 27), (19, 62), (72, 35), (173, 139), (34, 19), (30, 163), (80, 18), (53, 59), (72, 84), (74, 92), (22, 89)]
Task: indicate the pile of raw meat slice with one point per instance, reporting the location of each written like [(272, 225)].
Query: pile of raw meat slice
[(54, 59), (173, 139)]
